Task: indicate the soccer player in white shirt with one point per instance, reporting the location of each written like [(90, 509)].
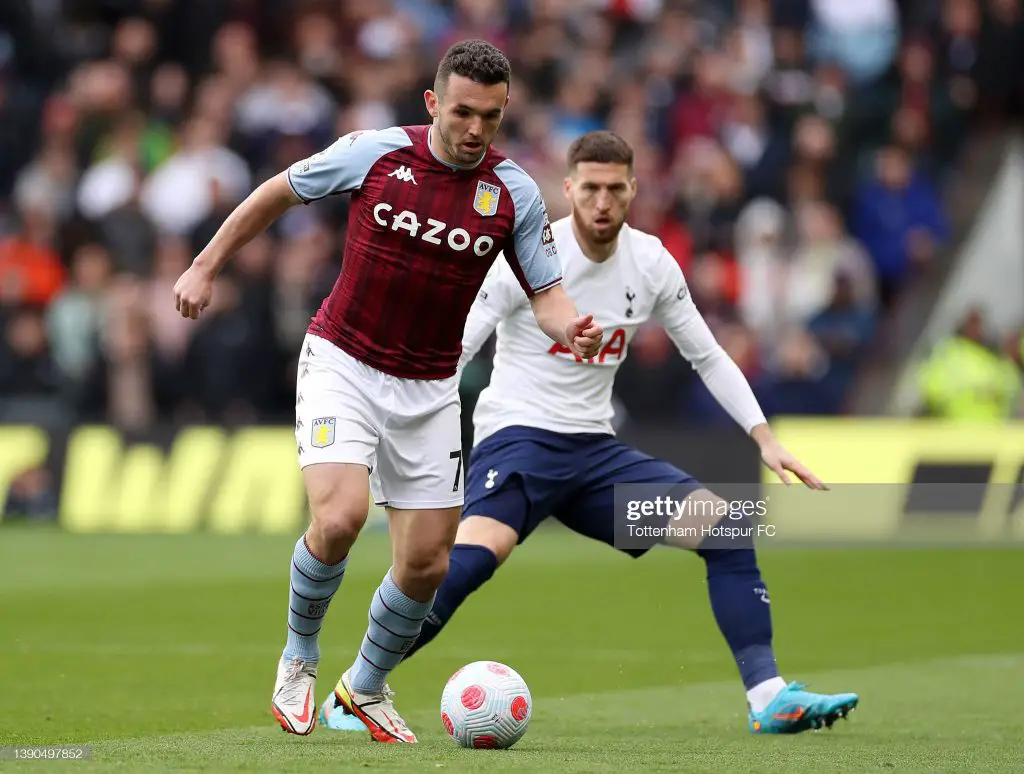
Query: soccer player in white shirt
[(536, 457)]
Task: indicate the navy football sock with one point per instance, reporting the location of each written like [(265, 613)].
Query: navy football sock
[(740, 603), (469, 567)]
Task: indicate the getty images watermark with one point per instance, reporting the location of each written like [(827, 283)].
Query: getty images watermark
[(650, 514)]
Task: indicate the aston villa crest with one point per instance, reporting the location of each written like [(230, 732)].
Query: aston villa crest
[(486, 200)]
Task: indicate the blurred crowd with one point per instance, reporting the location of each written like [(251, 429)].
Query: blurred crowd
[(791, 154)]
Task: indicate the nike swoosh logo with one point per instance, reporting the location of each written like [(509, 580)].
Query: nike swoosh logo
[(304, 717)]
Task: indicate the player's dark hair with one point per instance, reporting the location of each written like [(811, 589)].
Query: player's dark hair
[(602, 147), (477, 60)]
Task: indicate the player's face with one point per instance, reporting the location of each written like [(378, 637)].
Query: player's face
[(467, 116), (600, 195)]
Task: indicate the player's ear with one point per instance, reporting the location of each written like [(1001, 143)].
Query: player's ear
[(567, 188), (431, 100)]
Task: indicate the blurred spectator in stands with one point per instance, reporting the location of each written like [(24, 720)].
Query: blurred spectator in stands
[(1001, 60), (784, 288), (844, 330), (128, 382), (201, 175), (816, 151), (31, 272), (965, 378), (228, 375), (709, 194), (861, 36), (761, 255), (74, 321), (900, 220), (26, 366), (47, 184), (112, 180), (169, 332), (19, 118), (824, 249), (701, 110), (760, 152)]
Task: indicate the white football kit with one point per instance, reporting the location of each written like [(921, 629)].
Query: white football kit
[(536, 382)]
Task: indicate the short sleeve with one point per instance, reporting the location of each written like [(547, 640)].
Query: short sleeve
[(532, 255), (342, 167)]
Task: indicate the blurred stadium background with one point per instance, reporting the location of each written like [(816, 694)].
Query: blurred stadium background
[(842, 182)]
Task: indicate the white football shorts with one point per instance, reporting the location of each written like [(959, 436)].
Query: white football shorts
[(407, 432)]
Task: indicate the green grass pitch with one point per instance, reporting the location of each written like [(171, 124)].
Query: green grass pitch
[(160, 653)]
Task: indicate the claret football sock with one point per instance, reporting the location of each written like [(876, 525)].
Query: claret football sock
[(469, 567), (742, 608), (313, 583), (395, 621)]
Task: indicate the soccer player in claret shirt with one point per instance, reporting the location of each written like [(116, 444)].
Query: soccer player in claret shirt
[(377, 401), (544, 444)]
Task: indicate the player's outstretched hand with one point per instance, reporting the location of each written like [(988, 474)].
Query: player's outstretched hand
[(778, 459), (585, 335), (192, 291)]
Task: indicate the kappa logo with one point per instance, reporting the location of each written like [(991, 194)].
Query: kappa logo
[(323, 432), (405, 175), (485, 201), (491, 475)]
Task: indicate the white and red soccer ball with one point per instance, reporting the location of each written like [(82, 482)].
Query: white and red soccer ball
[(486, 705)]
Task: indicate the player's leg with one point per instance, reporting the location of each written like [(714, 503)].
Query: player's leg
[(482, 544), (738, 595), (516, 478), (335, 454), (496, 486), (742, 608), (419, 479), (421, 539)]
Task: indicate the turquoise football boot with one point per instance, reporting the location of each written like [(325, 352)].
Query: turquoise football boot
[(337, 718), (795, 710)]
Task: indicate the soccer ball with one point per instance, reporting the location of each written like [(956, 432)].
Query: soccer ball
[(486, 705)]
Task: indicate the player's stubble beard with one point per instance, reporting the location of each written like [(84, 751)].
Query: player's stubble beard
[(452, 150), (592, 235)]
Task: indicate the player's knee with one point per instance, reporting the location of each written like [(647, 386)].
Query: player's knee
[(421, 572), (339, 519), (488, 533), (339, 507), (338, 527)]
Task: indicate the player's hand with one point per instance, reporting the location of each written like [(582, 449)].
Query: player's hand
[(192, 291), (584, 336), (779, 460)]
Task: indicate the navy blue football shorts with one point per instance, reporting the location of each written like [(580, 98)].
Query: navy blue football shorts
[(520, 476)]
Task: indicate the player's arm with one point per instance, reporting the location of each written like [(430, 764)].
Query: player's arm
[(723, 378), (338, 169), (252, 217), (533, 258), (556, 315), (499, 296)]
